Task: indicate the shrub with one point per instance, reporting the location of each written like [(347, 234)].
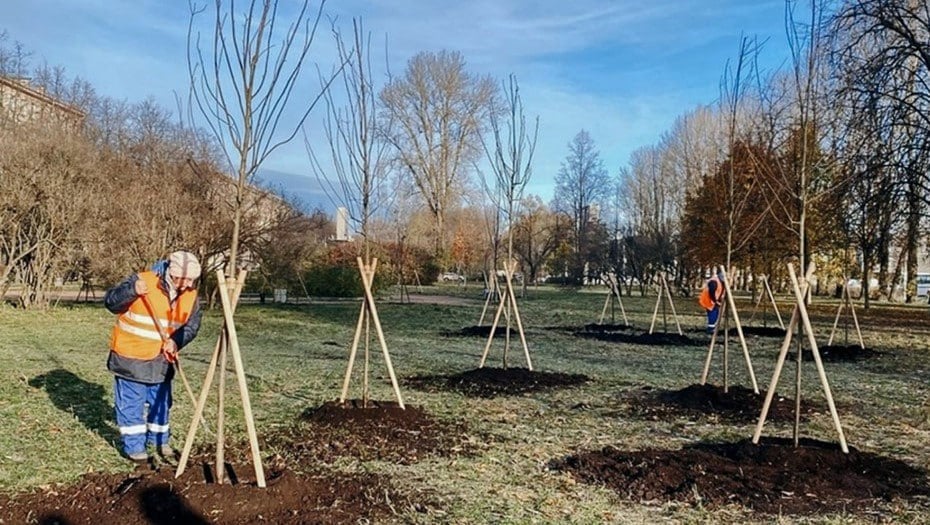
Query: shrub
[(335, 274)]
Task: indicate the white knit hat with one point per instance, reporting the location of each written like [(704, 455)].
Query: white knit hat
[(183, 265)]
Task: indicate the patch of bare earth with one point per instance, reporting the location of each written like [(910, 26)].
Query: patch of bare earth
[(481, 331), (760, 331), (606, 327), (645, 338), (380, 430), (298, 489), (153, 495), (773, 477), (738, 404), (491, 382), (839, 354)]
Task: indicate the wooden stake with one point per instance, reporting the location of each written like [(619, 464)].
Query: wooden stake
[(613, 291), (846, 302), (779, 364), (739, 329), (655, 311), (221, 410), (710, 349), (767, 292), (768, 289), (207, 383), (491, 288), (668, 295), (233, 341), (353, 351), (819, 362), (507, 297), (368, 273), (487, 346), (799, 314), (513, 300)]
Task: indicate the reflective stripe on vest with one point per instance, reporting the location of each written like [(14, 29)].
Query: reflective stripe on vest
[(135, 334)]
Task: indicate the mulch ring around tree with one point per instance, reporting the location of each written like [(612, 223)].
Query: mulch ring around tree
[(481, 331), (773, 477), (153, 495), (606, 327), (838, 354), (760, 331), (590, 327), (490, 382), (645, 338), (379, 431), (737, 405)]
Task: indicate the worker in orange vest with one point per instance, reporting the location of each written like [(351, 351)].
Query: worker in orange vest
[(139, 359), (711, 298)]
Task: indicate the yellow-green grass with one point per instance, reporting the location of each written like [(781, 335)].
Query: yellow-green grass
[(56, 399)]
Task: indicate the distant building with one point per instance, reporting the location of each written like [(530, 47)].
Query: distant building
[(22, 103), (342, 224)]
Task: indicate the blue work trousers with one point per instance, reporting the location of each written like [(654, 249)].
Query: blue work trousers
[(712, 316), (142, 413)]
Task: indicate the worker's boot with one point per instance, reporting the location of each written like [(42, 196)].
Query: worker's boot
[(168, 454), (138, 457)]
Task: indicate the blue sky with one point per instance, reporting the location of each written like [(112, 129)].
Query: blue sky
[(621, 69)]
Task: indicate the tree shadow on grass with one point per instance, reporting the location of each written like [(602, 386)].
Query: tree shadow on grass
[(87, 401)]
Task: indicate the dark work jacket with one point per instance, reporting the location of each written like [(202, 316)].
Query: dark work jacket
[(117, 301)]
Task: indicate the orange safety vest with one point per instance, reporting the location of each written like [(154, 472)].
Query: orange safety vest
[(706, 300), (135, 334)]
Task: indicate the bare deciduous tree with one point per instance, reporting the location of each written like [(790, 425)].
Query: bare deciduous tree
[(357, 151), (243, 84), (438, 110), (511, 154), (882, 59), (49, 184), (536, 235), (582, 186)]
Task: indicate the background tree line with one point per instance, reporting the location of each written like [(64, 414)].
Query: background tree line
[(824, 159)]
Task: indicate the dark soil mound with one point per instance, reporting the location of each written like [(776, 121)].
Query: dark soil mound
[(653, 339), (772, 477), (739, 404), (481, 331), (492, 382), (382, 430), (607, 327), (155, 496), (839, 354), (761, 331)]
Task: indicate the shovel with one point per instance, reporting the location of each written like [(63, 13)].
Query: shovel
[(172, 359)]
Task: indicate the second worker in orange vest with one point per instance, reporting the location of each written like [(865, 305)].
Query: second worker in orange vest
[(711, 298)]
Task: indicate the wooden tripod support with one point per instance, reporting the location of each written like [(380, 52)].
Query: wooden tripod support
[(492, 289), (846, 303), (664, 294), (368, 313), (739, 330), (771, 296), (227, 338), (509, 299), (800, 313), (613, 293)]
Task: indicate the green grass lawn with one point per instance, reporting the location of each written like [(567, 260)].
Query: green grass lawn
[(56, 398)]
